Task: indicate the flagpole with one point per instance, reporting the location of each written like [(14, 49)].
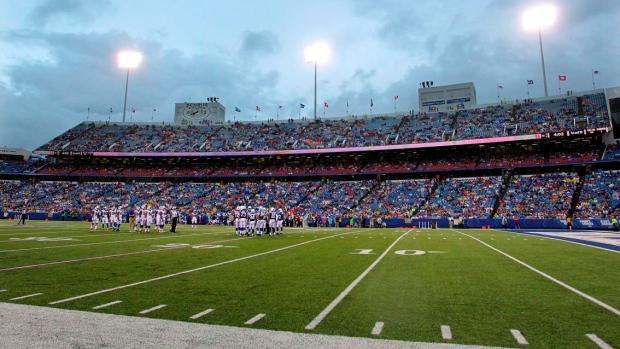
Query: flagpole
[(347, 107), (593, 84), (278, 113), (110, 117), (528, 89), (498, 94), (152, 113), (323, 110), (88, 115), (299, 115), (235, 116), (560, 85), (255, 114)]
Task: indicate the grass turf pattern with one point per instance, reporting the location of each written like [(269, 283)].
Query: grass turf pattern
[(452, 279)]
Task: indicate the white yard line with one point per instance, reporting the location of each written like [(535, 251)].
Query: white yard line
[(599, 341), (107, 305), (192, 270), (254, 319), (519, 337), (377, 329), (2, 290), (312, 325), (28, 296), (103, 243), (111, 256), (571, 288), (146, 311), (446, 332), (201, 314)]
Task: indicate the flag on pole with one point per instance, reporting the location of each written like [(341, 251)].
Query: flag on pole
[(530, 82), (302, 105), (133, 110), (396, 97), (257, 108), (595, 72), (325, 104), (110, 109), (371, 104), (562, 77), (500, 87), (154, 109), (279, 107), (237, 110)]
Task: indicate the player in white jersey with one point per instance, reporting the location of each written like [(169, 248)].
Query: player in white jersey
[(237, 215), (159, 219), (143, 215), (279, 222), (113, 217), (194, 219), (149, 220), (243, 221), (137, 215), (96, 215), (252, 222), (272, 222), (262, 221), (105, 219), (119, 218)]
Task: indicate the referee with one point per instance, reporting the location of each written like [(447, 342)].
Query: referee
[(22, 217)]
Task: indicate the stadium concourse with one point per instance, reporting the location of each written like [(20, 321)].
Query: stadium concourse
[(547, 159)]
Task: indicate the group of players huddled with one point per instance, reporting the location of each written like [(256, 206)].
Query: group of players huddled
[(258, 222), (248, 221), (140, 220)]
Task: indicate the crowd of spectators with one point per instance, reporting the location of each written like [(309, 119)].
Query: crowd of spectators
[(551, 115), (600, 195)]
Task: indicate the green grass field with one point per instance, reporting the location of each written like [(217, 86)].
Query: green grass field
[(379, 283)]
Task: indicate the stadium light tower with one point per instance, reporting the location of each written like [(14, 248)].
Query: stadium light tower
[(537, 18), (316, 54), (128, 59)]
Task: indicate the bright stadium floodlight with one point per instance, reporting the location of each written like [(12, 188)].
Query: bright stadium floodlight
[(537, 18), (128, 59), (316, 54)]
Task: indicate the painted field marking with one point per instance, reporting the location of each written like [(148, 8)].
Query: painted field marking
[(254, 319), (28, 296), (377, 329), (191, 270), (106, 305), (2, 290), (145, 311), (598, 341), (104, 257), (201, 314), (102, 243), (446, 332), (565, 285), (312, 325), (519, 337)]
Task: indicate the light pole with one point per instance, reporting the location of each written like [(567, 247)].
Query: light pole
[(537, 18), (316, 54), (128, 59)]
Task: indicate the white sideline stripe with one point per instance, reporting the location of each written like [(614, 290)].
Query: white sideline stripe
[(567, 286), (446, 333), (106, 305), (192, 270), (103, 243), (145, 311), (254, 319), (558, 238), (201, 314), (28, 296), (312, 325), (2, 290), (108, 256), (598, 341), (519, 337), (377, 329)]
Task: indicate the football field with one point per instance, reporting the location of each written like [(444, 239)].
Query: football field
[(478, 287)]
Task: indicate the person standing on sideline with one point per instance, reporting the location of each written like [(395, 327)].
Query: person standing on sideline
[(132, 220), (174, 214), (516, 219), (614, 223), (22, 217), (504, 222)]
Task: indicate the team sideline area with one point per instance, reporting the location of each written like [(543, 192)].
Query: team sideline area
[(485, 288)]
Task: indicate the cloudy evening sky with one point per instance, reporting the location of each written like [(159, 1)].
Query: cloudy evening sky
[(58, 57)]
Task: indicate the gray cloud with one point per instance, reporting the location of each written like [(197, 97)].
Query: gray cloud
[(263, 42), (53, 96), (70, 10)]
